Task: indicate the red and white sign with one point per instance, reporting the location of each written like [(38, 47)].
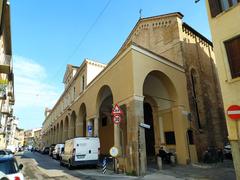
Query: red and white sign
[(117, 113), (116, 110), (116, 119), (233, 112)]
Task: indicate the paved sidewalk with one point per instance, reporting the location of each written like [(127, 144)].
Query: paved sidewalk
[(219, 171)]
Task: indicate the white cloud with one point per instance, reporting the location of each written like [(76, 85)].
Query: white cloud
[(31, 89)]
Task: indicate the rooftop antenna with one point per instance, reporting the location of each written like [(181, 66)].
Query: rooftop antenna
[(140, 14)]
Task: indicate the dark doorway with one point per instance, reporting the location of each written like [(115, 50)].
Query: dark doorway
[(149, 134)]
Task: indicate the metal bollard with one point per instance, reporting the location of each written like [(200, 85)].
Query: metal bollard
[(104, 166), (159, 162)]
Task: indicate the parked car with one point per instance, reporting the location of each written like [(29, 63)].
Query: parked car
[(57, 151), (45, 150), (9, 151), (3, 152), (81, 151), (9, 166), (12, 148), (51, 148)]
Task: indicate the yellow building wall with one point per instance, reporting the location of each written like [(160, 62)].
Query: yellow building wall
[(223, 27)]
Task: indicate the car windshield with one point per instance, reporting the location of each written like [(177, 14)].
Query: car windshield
[(2, 152), (8, 166)]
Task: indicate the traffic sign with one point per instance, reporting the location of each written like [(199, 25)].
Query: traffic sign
[(116, 110), (116, 119), (89, 128), (233, 112), (114, 151)]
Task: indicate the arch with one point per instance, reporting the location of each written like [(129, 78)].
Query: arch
[(104, 107), (160, 87), (54, 135), (61, 132), (66, 128), (72, 125), (57, 135), (160, 96), (81, 126)]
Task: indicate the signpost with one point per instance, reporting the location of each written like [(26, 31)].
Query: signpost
[(114, 153), (233, 112), (117, 114)]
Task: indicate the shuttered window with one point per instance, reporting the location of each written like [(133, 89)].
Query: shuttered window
[(233, 52), (217, 6)]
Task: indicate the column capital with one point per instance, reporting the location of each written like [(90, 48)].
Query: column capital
[(130, 99)]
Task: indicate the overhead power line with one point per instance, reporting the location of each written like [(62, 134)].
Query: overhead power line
[(79, 44)]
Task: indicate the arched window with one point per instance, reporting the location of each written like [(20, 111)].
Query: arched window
[(83, 83), (190, 136)]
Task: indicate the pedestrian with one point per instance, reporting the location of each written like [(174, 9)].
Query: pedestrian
[(164, 155), (220, 155)]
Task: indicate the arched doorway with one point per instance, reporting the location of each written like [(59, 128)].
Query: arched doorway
[(160, 97), (73, 125), (105, 124), (149, 133), (81, 131), (66, 128), (61, 133)]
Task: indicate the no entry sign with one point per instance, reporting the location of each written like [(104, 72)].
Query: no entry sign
[(233, 112)]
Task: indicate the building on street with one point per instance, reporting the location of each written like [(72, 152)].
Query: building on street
[(224, 20), (163, 75), (6, 70), (32, 137)]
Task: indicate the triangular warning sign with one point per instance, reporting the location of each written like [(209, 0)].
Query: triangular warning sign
[(116, 110)]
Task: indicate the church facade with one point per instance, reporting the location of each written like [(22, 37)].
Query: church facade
[(164, 76)]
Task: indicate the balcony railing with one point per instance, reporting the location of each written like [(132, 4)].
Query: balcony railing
[(5, 63)]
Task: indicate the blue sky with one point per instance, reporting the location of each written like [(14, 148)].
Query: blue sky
[(48, 34)]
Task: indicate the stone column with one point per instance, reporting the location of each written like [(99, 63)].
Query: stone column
[(136, 149), (79, 126), (71, 130), (65, 132), (96, 126), (161, 129), (180, 130)]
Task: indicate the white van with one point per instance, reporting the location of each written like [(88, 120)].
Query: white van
[(57, 151), (81, 151)]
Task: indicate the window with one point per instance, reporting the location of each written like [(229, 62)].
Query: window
[(74, 92), (170, 138), (83, 83), (232, 48), (217, 6)]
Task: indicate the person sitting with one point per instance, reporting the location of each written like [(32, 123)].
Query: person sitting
[(164, 155)]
